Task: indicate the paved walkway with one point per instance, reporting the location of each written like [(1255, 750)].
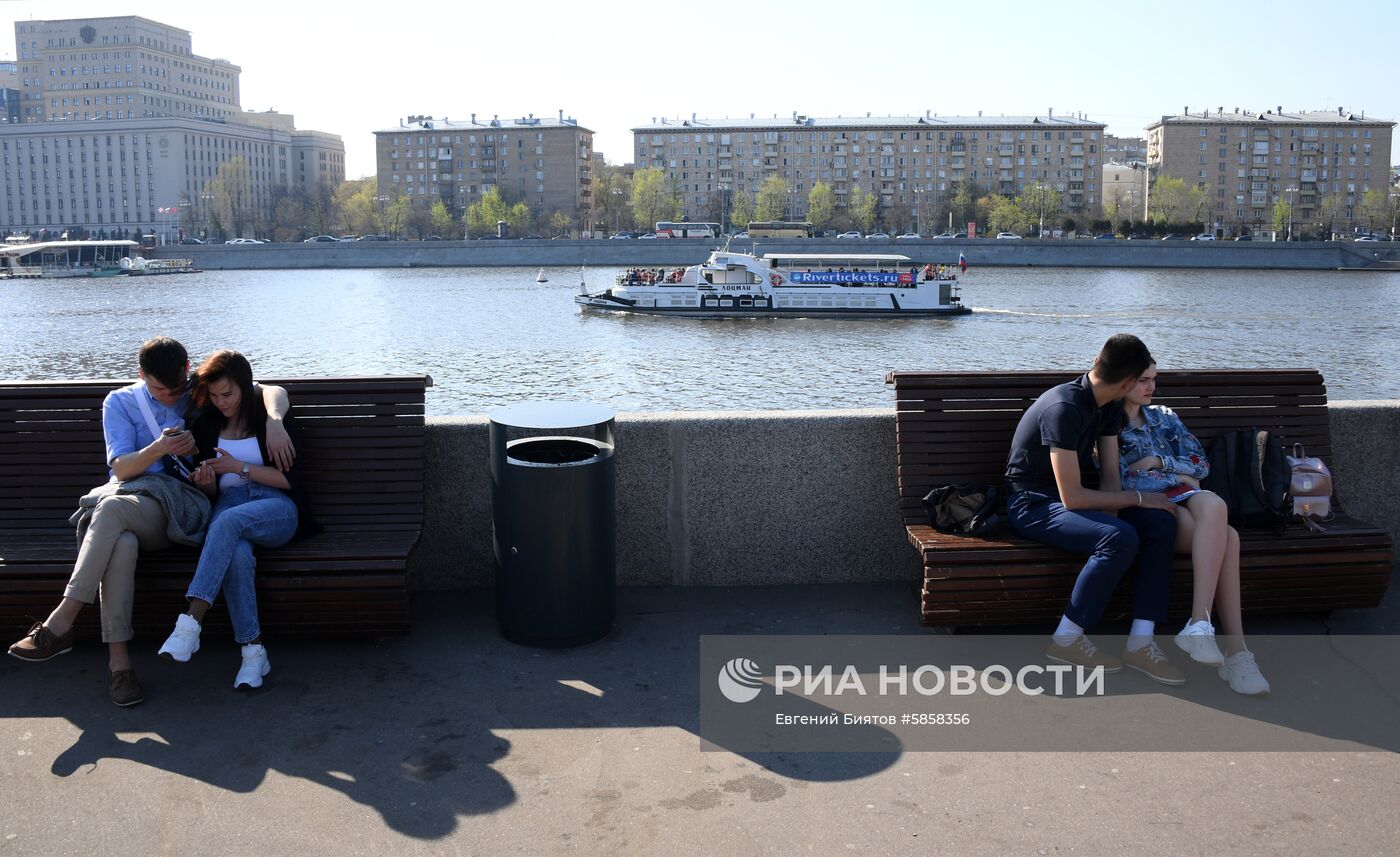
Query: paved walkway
[(453, 741)]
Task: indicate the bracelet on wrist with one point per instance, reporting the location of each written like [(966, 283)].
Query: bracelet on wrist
[(1139, 502)]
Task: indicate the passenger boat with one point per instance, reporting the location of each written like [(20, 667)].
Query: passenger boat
[(731, 284), (138, 266)]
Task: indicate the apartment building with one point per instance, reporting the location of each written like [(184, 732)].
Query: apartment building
[(1124, 191), (1124, 150), (126, 67), (908, 162), (9, 91), (1322, 163), (545, 163)]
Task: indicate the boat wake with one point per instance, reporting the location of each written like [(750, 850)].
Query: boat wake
[(978, 310)]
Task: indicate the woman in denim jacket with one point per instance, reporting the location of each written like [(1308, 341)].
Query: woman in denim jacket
[(1157, 453)]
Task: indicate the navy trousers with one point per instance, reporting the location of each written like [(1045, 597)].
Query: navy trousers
[(1147, 535)]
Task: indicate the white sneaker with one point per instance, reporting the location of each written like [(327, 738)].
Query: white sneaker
[(183, 641), (1243, 674), (255, 666), (1197, 639)]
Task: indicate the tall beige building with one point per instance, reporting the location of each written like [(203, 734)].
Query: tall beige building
[(123, 128), (118, 68), (1321, 163), (545, 163), (1124, 191), (911, 163)]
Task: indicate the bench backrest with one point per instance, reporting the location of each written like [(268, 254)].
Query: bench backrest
[(361, 449), (957, 426)]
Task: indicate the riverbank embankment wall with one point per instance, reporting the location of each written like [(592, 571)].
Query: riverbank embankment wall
[(776, 497), (1319, 255)]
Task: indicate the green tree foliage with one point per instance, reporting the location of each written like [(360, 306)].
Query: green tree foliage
[(560, 223), (864, 208), (396, 215), (1378, 207), (1283, 216), (1006, 214), (1040, 203), (653, 199), (963, 204), (742, 212), (440, 220), (821, 205), (1332, 210), (483, 214), (1168, 199), (353, 207), (772, 198), (521, 220)]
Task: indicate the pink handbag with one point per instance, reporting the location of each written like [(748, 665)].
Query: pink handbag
[(1310, 488)]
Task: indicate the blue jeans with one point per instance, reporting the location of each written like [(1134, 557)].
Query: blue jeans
[(244, 515), (1147, 535)]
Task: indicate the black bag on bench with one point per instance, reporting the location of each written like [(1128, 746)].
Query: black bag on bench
[(964, 509)]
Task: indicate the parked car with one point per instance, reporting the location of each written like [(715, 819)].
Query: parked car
[(1011, 235), (878, 236), (620, 236), (1244, 238), (433, 238), (646, 235), (909, 236), (1204, 236), (243, 241), (1172, 238), (348, 238), (742, 235), (190, 241), (852, 234), (373, 238), (320, 239), (1107, 236), (531, 238), (1367, 238)]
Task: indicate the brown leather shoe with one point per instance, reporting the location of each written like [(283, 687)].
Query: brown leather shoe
[(40, 644), (124, 689), (1152, 662)]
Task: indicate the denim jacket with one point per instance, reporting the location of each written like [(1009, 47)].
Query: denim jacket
[(1162, 435)]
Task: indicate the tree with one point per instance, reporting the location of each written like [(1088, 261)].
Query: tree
[(1283, 217), (772, 199), (561, 223), (1334, 206), (742, 212), (964, 202), (288, 217), (397, 216), (353, 207), (483, 214), (1008, 215), (821, 205), (653, 199), (1168, 198), (1378, 207), (440, 219), (864, 207), (521, 219), (1040, 202), (232, 193)]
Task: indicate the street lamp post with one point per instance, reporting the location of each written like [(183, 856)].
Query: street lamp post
[(617, 210), (724, 225), (207, 200), (1292, 191), (380, 200), (918, 211)]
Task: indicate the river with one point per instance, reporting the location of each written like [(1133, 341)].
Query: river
[(491, 336)]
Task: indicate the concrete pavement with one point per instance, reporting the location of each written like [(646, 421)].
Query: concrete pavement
[(453, 741)]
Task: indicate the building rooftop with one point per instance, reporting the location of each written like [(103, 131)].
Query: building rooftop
[(798, 120), (1273, 117), (428, 123)]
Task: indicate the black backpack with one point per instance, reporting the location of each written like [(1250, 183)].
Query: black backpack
[(964, 508), (1249, 472)]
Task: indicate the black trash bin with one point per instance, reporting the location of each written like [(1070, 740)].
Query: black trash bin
[(554, 522)]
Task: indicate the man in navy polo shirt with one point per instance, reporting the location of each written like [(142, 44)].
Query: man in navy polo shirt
[(1054, 442)]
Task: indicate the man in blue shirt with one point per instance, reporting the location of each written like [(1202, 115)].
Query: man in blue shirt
[(1053, 444), (124, 524)]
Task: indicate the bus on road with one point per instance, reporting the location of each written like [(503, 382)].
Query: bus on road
[(686, 229), (780, 229)]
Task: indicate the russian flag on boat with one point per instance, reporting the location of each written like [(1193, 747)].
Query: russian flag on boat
[(962, 263)]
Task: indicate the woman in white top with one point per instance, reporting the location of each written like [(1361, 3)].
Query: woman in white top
[(255, 503)]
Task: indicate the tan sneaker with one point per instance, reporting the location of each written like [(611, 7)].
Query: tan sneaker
[(1082, 653), (1152, 662), (40, 644), (123, 688)]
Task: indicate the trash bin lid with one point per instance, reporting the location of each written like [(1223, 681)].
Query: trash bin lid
[(551, 415)]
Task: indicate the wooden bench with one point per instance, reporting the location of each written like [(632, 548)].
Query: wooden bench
[(361, 448), (957, 427)]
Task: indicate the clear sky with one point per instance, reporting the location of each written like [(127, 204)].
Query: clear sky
[(353, 68)]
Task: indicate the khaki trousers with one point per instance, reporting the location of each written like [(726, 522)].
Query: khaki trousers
[(121, 525)]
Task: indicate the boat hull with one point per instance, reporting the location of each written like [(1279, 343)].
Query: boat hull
[(775, 312)]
